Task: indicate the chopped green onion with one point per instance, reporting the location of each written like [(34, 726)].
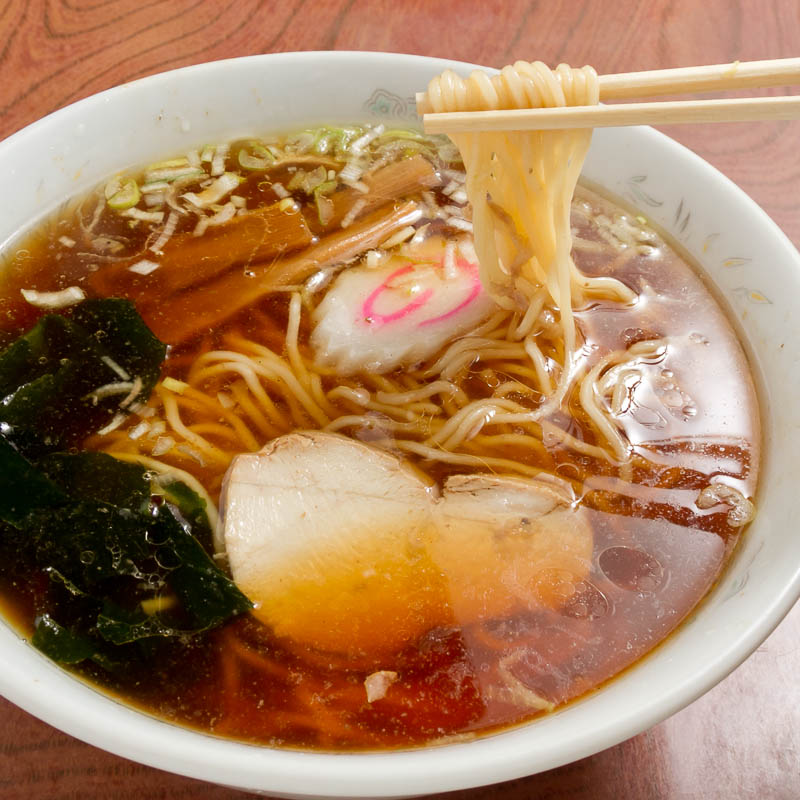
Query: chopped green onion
[(297, 180), (321, 146), (303, 141), (326, 187), (170, 164), (218, 162), (416, 148), (113, 186), (172, 174), (399, 133), (338, 140), (259, 149), (155, 186), (62, 299), (324, 207), (144, 216), (144, 266), (307, 181), (221, 186), (398, 238), (365, 139), (316, 178), (251, 162), (126, 196)]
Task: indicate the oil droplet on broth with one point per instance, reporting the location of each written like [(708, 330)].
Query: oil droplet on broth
[(631, 568), (586, 602)]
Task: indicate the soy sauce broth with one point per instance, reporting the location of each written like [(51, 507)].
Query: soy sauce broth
[(691, 414)]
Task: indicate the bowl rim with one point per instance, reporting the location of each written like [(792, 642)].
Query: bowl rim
[(487, 760)]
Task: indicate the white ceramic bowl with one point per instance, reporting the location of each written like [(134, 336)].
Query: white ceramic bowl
[(747, 257)]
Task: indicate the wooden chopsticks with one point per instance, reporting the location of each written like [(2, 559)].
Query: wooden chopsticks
[(734, 110), (717, 77)]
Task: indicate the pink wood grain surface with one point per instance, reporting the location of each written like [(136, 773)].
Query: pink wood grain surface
[(742, 739)]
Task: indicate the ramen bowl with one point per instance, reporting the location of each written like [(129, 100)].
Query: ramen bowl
[(756, 273)]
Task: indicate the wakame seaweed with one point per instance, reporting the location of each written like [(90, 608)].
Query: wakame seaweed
[(69, 375), (124, 553)]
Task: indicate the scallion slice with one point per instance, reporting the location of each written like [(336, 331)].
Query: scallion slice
[(126, 196)]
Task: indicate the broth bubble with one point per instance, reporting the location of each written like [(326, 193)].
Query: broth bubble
[(587, 602), (632, 569)]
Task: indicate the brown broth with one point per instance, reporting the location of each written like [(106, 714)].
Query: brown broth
[(692, 416)]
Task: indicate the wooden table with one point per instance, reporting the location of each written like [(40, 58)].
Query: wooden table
[(743, 738)]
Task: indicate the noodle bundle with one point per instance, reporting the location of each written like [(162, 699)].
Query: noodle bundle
[(521, 185)]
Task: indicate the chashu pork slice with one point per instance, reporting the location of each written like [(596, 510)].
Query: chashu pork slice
[(346, 548), (509, 543), (330, 539)]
